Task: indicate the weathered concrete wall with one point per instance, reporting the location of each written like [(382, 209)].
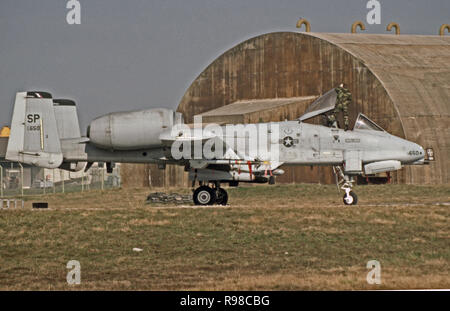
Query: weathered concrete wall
[(227, 119), (415, 71), (149, 175), (401, 82), (289, 65), (134, 175)]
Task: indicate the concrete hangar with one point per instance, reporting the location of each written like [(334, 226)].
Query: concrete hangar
[(402, 82)]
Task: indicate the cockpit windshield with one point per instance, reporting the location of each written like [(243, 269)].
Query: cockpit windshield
[(323, 104), (364, 123)]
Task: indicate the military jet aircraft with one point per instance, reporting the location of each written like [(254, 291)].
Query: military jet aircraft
[(45, 132)]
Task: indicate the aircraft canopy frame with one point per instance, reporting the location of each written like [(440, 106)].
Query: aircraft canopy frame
[(364, 123), (323, 104)]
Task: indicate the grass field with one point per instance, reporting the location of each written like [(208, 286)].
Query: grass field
[(293, 237)]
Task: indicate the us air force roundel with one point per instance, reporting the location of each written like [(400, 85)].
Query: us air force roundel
[(288, 141)]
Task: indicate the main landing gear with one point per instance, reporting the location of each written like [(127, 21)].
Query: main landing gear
[(206, 195), (345, 183)]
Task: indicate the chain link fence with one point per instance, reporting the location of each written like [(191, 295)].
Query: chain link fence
[(17, 180)]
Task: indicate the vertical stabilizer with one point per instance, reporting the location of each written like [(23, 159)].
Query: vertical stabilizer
[(66, 118), (34, 135)]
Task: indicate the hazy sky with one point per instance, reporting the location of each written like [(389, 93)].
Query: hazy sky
[(139, 54)]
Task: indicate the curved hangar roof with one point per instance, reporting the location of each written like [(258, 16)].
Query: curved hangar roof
[(402, 82)]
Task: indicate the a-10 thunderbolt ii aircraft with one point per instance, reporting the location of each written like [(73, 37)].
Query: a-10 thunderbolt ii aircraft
[(45, 132)]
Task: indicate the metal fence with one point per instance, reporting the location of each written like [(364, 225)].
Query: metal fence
[(17, 180)]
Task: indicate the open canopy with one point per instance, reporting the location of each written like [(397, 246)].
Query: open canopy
[(327, 102), (323, 104)]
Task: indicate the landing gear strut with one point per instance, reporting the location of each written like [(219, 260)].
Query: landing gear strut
[(222, 196), (345, 182), (206, 195)]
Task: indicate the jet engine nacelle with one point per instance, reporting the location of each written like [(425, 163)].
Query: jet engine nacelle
[(132, 130), (382, 166)]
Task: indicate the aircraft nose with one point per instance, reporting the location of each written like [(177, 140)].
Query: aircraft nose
[(422, 151), (416, 152)]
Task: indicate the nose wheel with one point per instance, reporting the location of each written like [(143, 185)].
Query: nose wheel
[(350, 198), (344, 182)]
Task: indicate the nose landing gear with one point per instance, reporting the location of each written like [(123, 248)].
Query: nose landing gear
[(345, 183), (350, 198)]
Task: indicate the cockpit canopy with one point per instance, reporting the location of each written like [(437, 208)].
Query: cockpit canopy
[(327, 102), (323, 104), (364, 123)]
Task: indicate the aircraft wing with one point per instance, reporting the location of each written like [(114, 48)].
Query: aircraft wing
[(231, 156)]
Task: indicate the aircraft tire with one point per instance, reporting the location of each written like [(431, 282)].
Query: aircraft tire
[(222, 197), (204, 195), (353, 201)]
